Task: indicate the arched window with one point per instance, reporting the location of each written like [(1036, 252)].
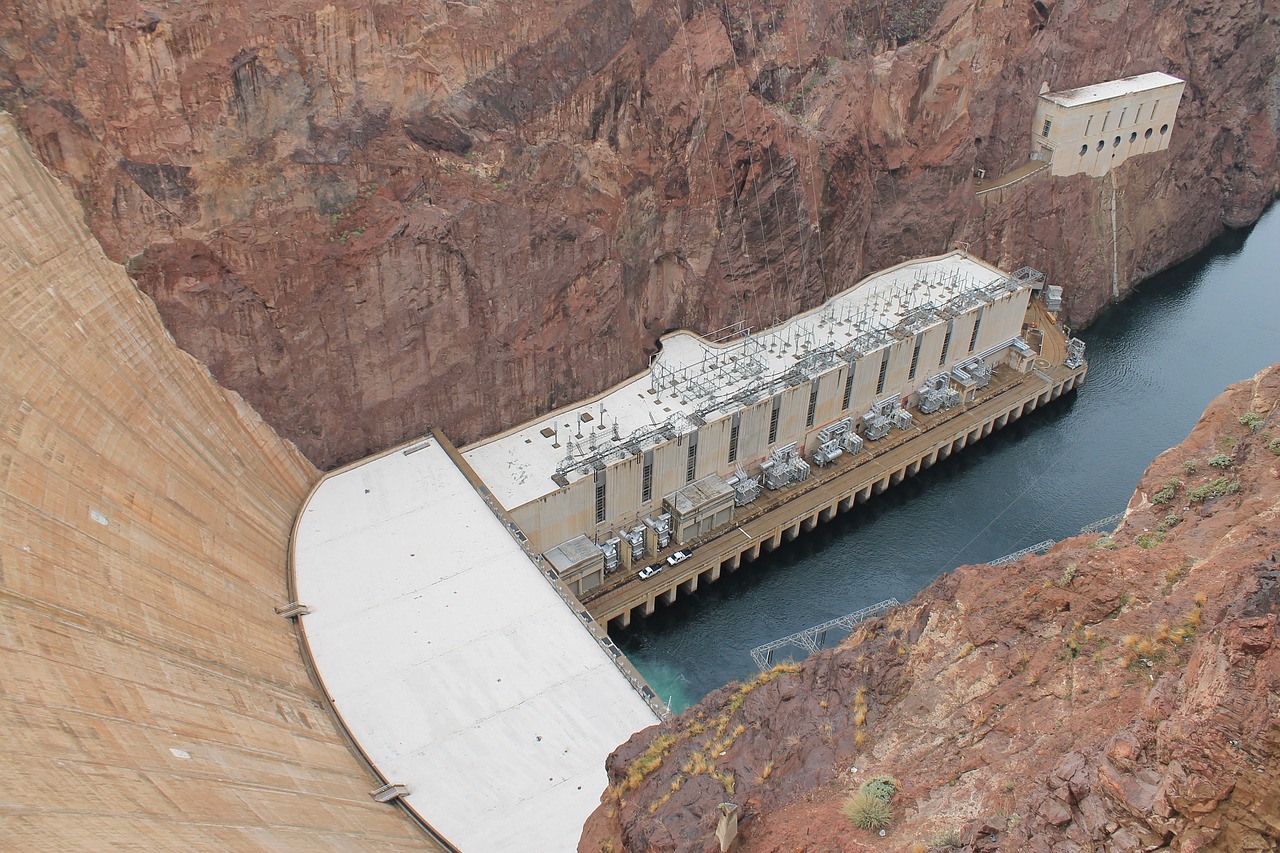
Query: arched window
[(1084, 149), (1116, 142), (1164, 128), (1147, 135), (1101, 144), (1133, 137)]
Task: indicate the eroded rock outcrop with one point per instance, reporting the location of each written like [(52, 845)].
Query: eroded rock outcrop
[(371, 217), (1117, 693)]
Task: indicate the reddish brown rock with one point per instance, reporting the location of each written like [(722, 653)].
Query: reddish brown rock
[(1117, 693), (370, 217)]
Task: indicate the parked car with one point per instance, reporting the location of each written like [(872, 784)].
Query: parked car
[(680, 556), (649, 571)]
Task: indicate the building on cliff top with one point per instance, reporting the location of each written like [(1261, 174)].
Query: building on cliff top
[(1093, 129)]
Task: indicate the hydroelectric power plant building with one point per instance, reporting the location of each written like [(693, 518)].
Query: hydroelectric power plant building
[(455, 604), (674, 454)]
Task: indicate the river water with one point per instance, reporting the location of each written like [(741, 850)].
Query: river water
[(1155, 362)]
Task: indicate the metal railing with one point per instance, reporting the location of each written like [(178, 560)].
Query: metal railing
[(813, 639)]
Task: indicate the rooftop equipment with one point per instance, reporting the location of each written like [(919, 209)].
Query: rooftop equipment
[(784, 465), (1075, 353), (1053, 298), (635, 538), (936, 393), (745, 489), (610, 548), (661, 527)]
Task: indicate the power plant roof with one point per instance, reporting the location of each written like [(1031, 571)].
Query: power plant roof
[(452, 661), (1112, 89), (693, 377)]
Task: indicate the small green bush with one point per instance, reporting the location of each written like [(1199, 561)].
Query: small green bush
[(1149, 540), (1216, 489), (1274, 446), (1220, 460), (1068, 575), (1252, 420), (867, 811), (1190, 467), (1168, 493), (881, 786)]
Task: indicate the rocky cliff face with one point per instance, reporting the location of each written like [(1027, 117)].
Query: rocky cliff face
[(369, 217), (1118, 693)]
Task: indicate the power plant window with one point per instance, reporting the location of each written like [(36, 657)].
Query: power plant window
[(951, 324), (813, 404), (977, 324), (691, 467), (884, 371), (733, 442), (646, 481), (915, 357), (848, 387), (1047, 124), (600, 502), (773, 420)]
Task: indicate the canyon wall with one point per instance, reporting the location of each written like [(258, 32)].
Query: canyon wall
[(150, 697), (1118, 693), (371, 217)]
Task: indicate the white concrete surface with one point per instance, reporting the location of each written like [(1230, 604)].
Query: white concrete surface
[(1111, 89), (518, 465), (454, 664)]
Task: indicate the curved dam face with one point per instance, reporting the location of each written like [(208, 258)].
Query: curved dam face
[(149, 694)]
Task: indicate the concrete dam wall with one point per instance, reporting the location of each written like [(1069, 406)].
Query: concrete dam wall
[(150, 697)]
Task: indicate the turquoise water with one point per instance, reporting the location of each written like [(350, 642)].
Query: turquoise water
[(1156, 360)]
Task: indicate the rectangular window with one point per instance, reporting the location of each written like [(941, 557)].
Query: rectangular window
[(691, 466), (946, 343), (884, 371), (646, 478), (600, 499), (773, 419), (813, 404), (733, 438), (915, 357), (977, 324), (848, 387), (1047, 124)]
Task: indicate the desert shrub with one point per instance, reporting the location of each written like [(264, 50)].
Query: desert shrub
[(1216, 489), (1220, 460), (1274, 446), (1190, 467), (881, 786), (1252, 420), (1168, 492), (867, 811)]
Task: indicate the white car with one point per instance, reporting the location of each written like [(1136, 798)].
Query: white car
[(680, 556), (649, 571)]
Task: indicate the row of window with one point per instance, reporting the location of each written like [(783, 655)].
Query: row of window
[(1115, 143), (1137, 117)]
